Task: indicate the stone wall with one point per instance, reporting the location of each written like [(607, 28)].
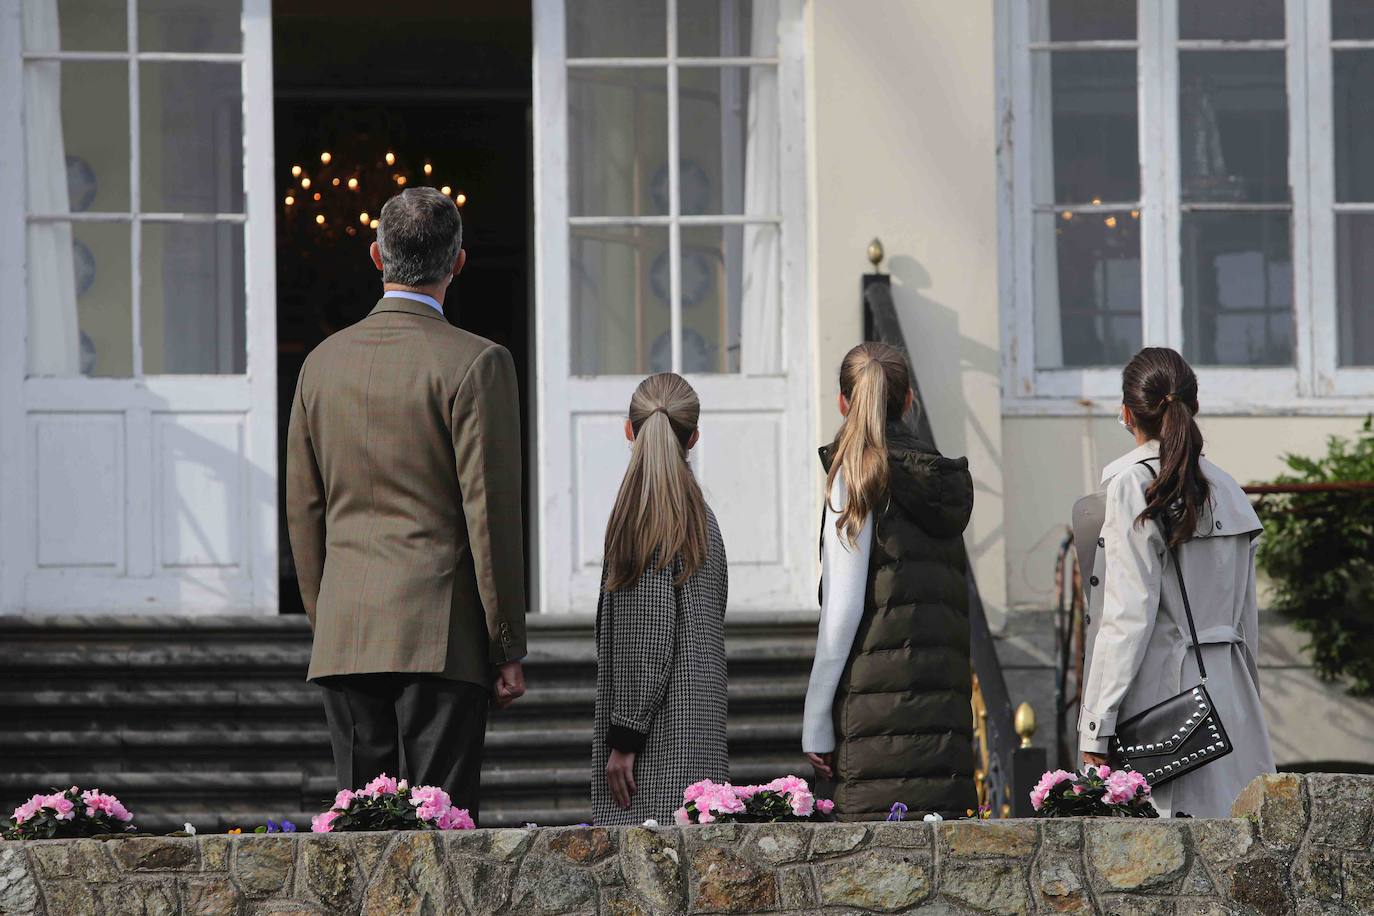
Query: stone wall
[(1300, 845)]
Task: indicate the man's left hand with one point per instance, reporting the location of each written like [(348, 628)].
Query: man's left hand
[(510, 684), (1095, 760)]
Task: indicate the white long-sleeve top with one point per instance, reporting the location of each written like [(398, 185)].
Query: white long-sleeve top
[(844, 580)]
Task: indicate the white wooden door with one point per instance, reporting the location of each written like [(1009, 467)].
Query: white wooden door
[(670, 224), (138, 471)]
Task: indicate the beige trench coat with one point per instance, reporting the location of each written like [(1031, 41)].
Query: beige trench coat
[(1138, 649)]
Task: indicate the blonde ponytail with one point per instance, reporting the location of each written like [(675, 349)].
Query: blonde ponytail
[(875, 381), (659, 514)]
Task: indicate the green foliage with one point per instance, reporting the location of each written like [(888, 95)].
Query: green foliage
[(1318, 548)]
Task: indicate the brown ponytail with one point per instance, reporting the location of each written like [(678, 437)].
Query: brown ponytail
[(875, 381), (1160, 388), (659, 513)]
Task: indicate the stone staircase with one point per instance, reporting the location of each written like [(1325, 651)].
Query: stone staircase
[(209, 720)]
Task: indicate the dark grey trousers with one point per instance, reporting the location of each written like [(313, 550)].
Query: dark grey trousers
[(428, 730)]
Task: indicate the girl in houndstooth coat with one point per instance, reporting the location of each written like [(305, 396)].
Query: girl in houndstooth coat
[(660, 634)]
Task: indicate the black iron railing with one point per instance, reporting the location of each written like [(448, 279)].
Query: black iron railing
[(1009, 767)]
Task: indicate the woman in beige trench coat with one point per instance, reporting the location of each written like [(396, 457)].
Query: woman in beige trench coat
[(1163, 494)]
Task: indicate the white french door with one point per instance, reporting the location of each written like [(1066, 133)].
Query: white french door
[(670, 222), (138, 472)]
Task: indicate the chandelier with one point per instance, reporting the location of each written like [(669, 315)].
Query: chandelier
[(344, 195)]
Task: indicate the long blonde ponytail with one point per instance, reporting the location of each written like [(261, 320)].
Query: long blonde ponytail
[(875, 381), (659, 513)]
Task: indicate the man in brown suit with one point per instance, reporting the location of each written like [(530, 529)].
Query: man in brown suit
[(403, 502)]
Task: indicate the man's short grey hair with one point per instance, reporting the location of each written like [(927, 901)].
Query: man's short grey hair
[(419, 233)]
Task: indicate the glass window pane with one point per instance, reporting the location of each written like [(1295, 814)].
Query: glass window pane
[(727, 28), (77, 136), (1237, 289), (1087, 288), (191, 128), (731, 295), (617, 28), (1353, 99), (729, 141), (193, 299), (1085, 127), (1352, 19), (617, 142), (80, 295), (76, 25), (1232, 20), (1083, 20), (1355, 288), (620, 291), (1233, 130), (190, 25)]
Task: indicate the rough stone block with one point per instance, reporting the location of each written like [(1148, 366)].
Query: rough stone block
[(581, 845), (1117, 905), (549, 885), (214, 852), (368, 848), (881, 880), (210, 895), (1317, 874), (1358, 871), (1007, 839), (1136, 854), (85, 859), (70, 897), (1275, 802), (796, 890), (1062, 833), (725, 882), (1223, 843), (988, 886), (836, 839), (905, 834), (155, 853), (137, 898), (1342, 810), (653, 867), (409, 878), (616, 903), (262, 863), (776, 844), (18, 889), (482, 886), (1261, 884), (1058, 884), (508, 845), (331, 874)]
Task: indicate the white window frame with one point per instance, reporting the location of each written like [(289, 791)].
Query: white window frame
[(141, 398), (1314, 384)]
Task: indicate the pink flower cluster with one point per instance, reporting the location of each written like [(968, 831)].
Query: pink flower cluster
[(64, 809), (1124, 785), (432, 804), (1046, 785), (710, 800)]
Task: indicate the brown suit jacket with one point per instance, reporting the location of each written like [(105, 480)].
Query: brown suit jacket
[(403, 498)]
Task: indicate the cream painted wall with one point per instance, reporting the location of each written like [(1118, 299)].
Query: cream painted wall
[(1055, 460), (903, 146)]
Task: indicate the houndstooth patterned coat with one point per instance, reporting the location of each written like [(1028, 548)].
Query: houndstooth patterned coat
[(660, 678)]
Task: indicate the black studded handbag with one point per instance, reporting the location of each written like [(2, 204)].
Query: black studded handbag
[(1178, 735)]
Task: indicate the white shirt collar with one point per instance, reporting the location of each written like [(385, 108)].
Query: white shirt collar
[(1135, 456), (416, 297)]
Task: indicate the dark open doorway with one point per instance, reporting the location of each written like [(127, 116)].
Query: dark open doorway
[(368, 96)]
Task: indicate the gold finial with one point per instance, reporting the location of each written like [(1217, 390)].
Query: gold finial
[(1025, 723), (875, 253)]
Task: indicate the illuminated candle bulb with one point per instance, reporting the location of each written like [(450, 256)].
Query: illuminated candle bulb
[(460, 199), (390, 158), (429, 169), (1096, 201), (336, 182), (364, 218), (1135, 214), (446, 190), (319, 218), (295, 171), (372, 225), (352, 184), (1111, 222), (317, 195), (290, 200), (305, 182), (1067, 214), (401, 180), (325, 158)]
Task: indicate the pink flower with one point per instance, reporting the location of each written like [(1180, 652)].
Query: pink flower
[(824, 805), (1046, 785), (681, 817), (382, 785), (323, 823), (455, 819), (1103, 771), (59, 803), (705, 817), (431, 802), (1123, 786), (98, 802), (344, 799), (802, 802), (28, 809)]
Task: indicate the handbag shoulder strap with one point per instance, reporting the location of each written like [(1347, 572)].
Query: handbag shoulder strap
[(1182, 586)]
